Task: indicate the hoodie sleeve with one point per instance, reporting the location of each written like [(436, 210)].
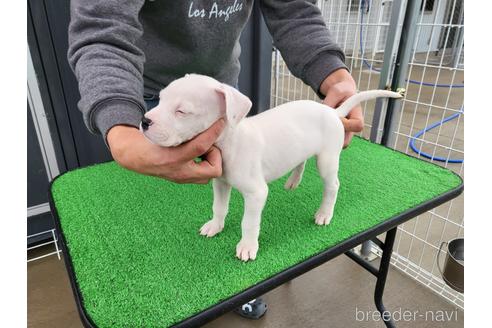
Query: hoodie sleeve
[(106, 61), (300, 33)]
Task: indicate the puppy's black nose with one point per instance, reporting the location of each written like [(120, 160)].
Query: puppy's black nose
[(146, 122)]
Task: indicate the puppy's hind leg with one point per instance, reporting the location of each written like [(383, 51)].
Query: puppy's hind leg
[(222, 192), (328, 169), (295, 177)]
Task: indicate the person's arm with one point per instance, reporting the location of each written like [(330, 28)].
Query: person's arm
[(108, 65), (299, 32), (133, 151), (109, 68)]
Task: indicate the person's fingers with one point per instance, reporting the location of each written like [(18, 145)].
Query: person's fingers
[(191, 180), (210, 167), (344, 122), (336, 95), (356, 113), (194, 180), (200, 144), (214, 158), (354, 122), (204, 181), (211, 164), (353, 125), (186, 174), (347, 139), (335, 99)]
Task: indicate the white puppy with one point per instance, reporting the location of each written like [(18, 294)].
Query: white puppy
[(255, 150)]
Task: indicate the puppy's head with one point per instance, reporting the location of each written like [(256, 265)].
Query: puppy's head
[(189, 106)]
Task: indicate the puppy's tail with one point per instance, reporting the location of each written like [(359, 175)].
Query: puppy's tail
[(353, 101)]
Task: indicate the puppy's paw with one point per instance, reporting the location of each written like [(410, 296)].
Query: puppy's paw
[(322, 218), (292, 182), (211, 228), (246, 250)]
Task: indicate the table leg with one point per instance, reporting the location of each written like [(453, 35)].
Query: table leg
[(381, 277)]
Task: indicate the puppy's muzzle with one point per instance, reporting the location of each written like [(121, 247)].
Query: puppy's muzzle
[(146, 122)]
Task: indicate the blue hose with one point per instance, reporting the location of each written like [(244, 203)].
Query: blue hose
[(430, 127)]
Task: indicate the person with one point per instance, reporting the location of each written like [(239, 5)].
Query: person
[(124, 52)]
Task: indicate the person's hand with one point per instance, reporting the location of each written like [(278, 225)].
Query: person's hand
[(133, 151), (338, 87)]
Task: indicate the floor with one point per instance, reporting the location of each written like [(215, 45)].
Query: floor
[(336, 294)]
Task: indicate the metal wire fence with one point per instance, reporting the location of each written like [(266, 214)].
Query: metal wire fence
[(430, 121)]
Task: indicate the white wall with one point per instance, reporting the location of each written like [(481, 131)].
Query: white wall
[(429, 29)]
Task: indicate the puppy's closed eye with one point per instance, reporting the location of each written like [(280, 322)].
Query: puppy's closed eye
[(181, 112), (184, 109)]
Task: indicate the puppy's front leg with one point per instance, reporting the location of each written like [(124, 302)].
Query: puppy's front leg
[(254, 201), (222, 192)]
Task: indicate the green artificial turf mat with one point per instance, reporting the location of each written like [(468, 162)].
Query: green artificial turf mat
[(139, 260)]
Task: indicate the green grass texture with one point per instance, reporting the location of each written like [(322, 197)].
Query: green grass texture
[(139, 260)]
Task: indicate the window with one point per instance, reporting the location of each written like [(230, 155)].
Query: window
[(353, 5), (427, 5)]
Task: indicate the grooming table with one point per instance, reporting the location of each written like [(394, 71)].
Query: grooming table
[(135, 258)]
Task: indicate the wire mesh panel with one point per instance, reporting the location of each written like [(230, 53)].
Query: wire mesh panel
[(363, 45), (430, 126), (431, 122)]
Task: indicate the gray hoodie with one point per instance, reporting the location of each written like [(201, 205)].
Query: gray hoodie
[(120, 49)]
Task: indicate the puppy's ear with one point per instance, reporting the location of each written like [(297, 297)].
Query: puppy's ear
[(233, 103)]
